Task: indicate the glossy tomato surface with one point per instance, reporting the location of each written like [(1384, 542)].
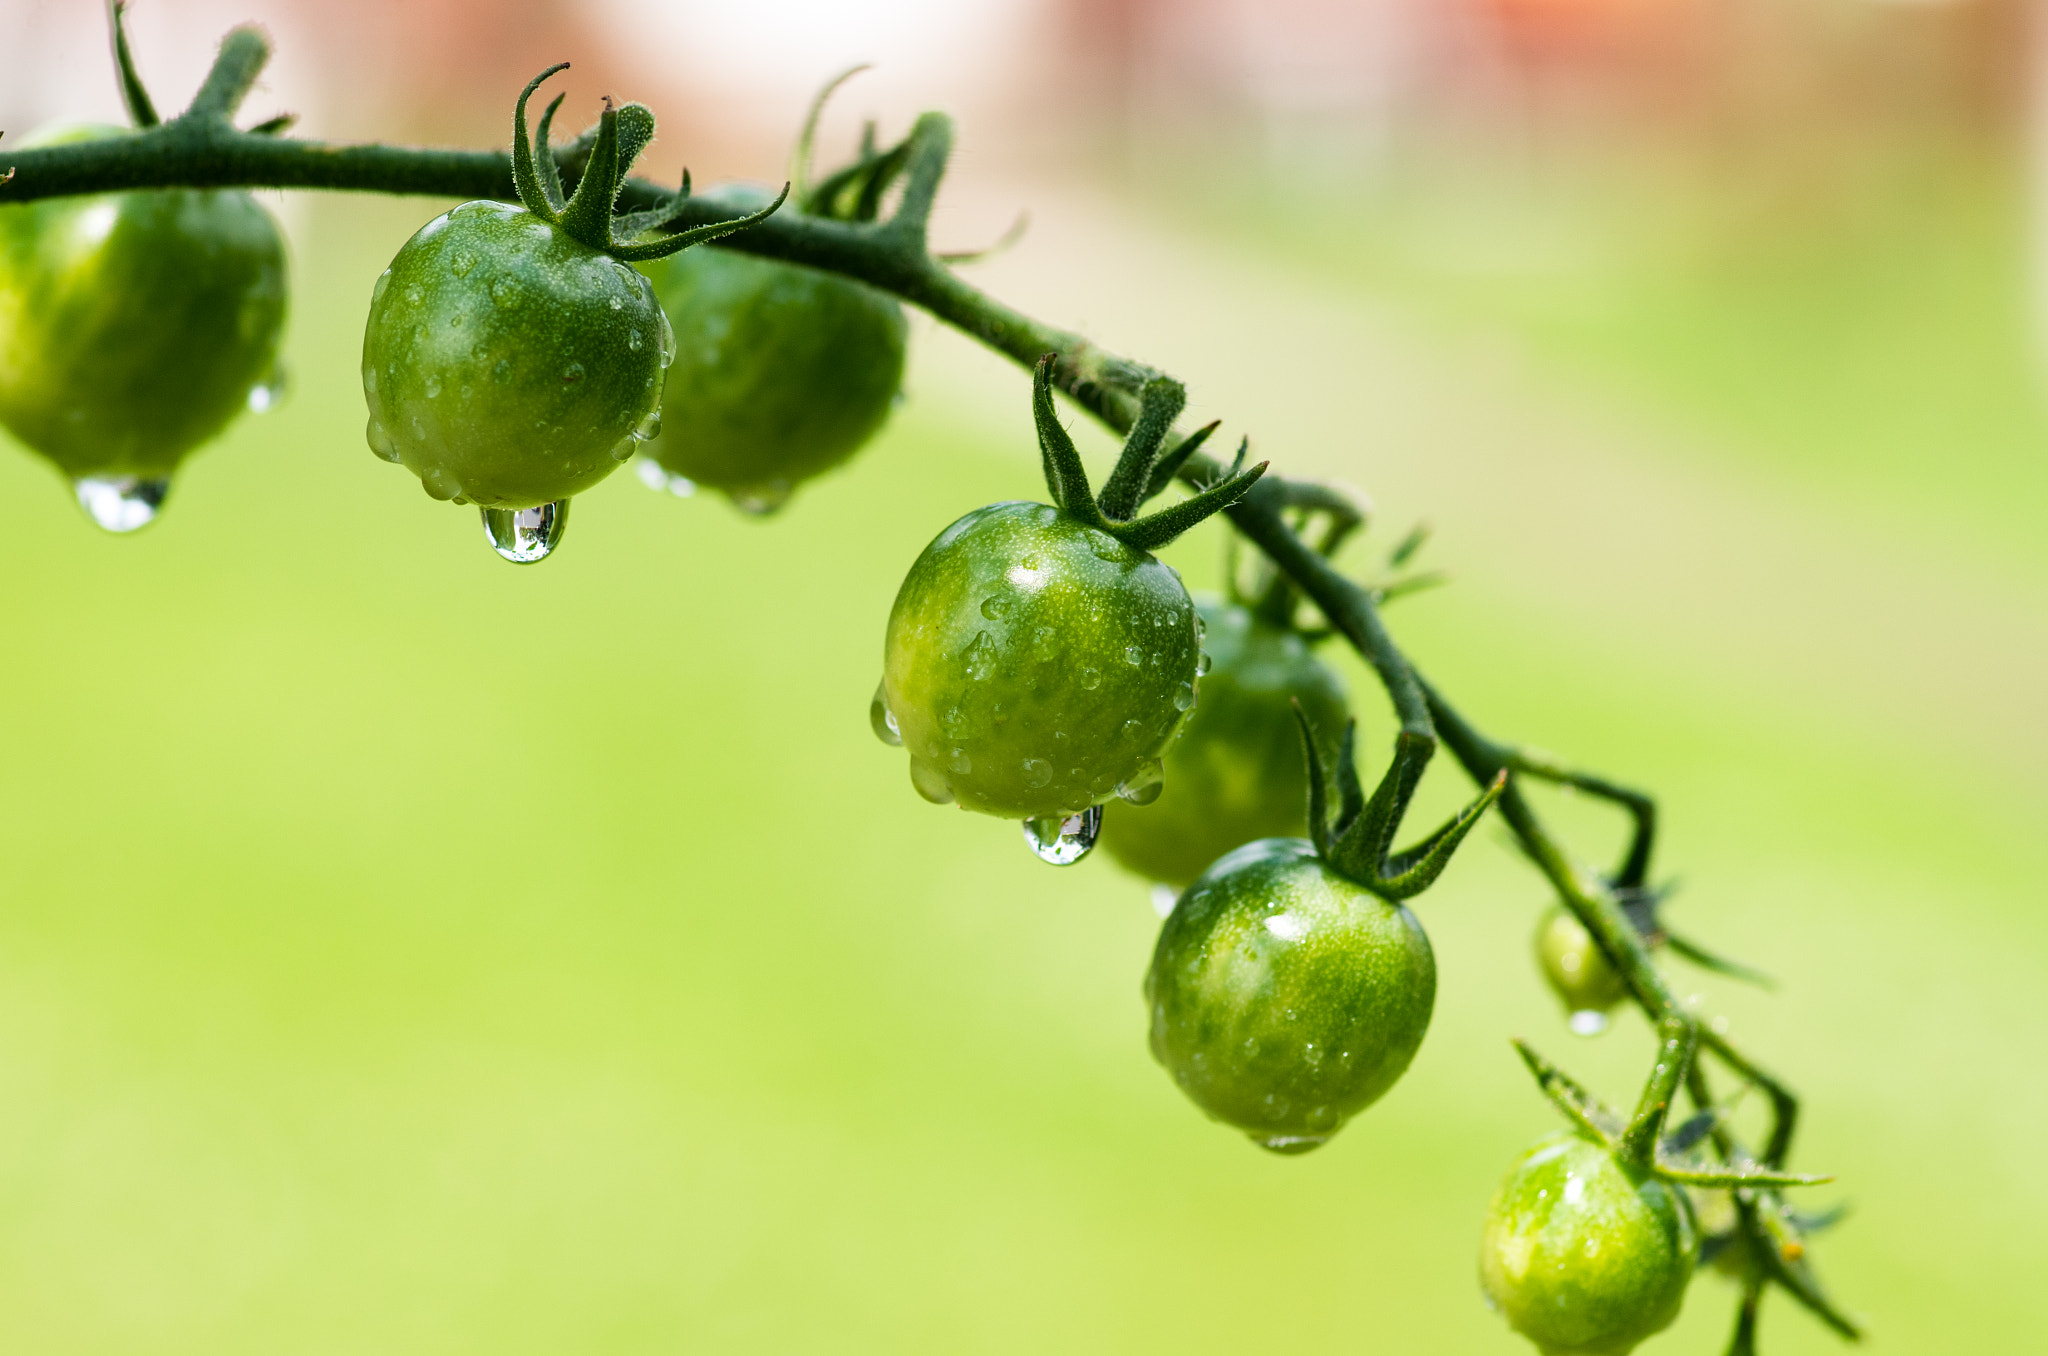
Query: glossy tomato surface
[(1584, 1255), (508, 365), (1286, 999), (1236, 774), (133, 326), (781, 373), (1034, 664)]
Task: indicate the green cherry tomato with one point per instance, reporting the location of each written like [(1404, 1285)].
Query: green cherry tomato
[(1577, 970), (781, 372), (134, 326), (1285, 999), (1236, 774), (1034, 665), (1583, 1254), (507, 364)]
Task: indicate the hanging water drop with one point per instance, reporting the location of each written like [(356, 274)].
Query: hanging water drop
[(649, 425), (268, 393), (761, 500), (526, 535), (1164, 897), (668, 339), (1141, 794), (122, 503), (1063, 840), (1203, 663), (380, 442), (881, 719), (1587, 1022), (1290, 1144)]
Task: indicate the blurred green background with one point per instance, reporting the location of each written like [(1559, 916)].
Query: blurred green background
[(405, 952)]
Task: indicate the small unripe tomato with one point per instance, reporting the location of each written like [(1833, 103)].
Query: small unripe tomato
[(782, 372), (507, 364), (1577, 970), (1034, 665), (1285, 999), (134, 326), (1584, 1254), (1236, 774)]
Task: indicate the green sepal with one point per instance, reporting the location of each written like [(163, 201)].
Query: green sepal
[(1318, 794), (1737, 1177), (1158, 406), (549, 172), (1718, 964), (140, 110), (1169, 463), (587, 217), (1578, 1105), (243, 54), (1066, 479), (1156, 530), (663, 246), (526, 181), (275, 127)]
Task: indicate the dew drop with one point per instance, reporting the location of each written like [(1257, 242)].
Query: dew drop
[(380, 441), (267, 394), (633, 339), (1587, 1022), (526, 535), (572, 374), (759, 501), (462, 263), (655, 476), (980, 656), (624, 448), (370, 380), (996, 606), (1091, 678), (1141, 794), (382, 285), (413, 294), (122, 503), (649, 425), (504, 291), (1037, 773), (618, 304), (1134, 656), (954, 722), (1184, 697), (1063, 840), (1290, 1144), (958, 761), (930, 782), (1164, 897), (882, 720), (433, 387), (668, 339), (1203, 663)]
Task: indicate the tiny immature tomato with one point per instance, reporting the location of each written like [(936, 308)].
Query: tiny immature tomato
[(782, 372), (508, 364), (1584, 1255), (1285, 998), (133, 328), (1034, 664), (1577, 970), (1236, 774)]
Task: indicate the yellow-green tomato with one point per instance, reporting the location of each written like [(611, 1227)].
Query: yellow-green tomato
[(1236, 773), (1286, 999), (1584, 1255), (782, 372), (507, 364), (133, 326), (1577, 970), (1034, 665)]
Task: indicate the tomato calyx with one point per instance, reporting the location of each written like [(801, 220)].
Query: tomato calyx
[(586, 214), (1356, 837), (1144, 468)]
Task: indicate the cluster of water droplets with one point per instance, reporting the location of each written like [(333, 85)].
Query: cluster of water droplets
[(122, 503), (526, 535), (1063, 840)]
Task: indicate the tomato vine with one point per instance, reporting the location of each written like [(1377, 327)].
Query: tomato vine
[(202, 148)]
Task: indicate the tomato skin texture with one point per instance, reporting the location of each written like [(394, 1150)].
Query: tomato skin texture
[(1573, 964), (1236, 773), (1584, 1255), (133, 325), (1284, 998), (506, 364), (782, 372), (1033, 663)]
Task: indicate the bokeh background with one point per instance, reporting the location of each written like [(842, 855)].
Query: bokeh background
[(403, 952)]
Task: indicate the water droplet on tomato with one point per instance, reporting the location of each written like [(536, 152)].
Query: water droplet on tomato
[(1184, 697), (1134, 656), (624, 448), (668, 339), (370, 380), (462, 263), (267, 394), (1091, 678), (380, 441), (122, 503), (930, 782), (1063, 840), (1037, 773), (433, 387), (1290, 1144), (526, 535), (504, 291), (618, 304), (1203, 663), (980, 656), (1587, 1022), (649, 425), (1140, 793), (1164, 897), (383, 283), (882, 720), (413, 294), (572, 374), (633, 339), (761, 500)]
